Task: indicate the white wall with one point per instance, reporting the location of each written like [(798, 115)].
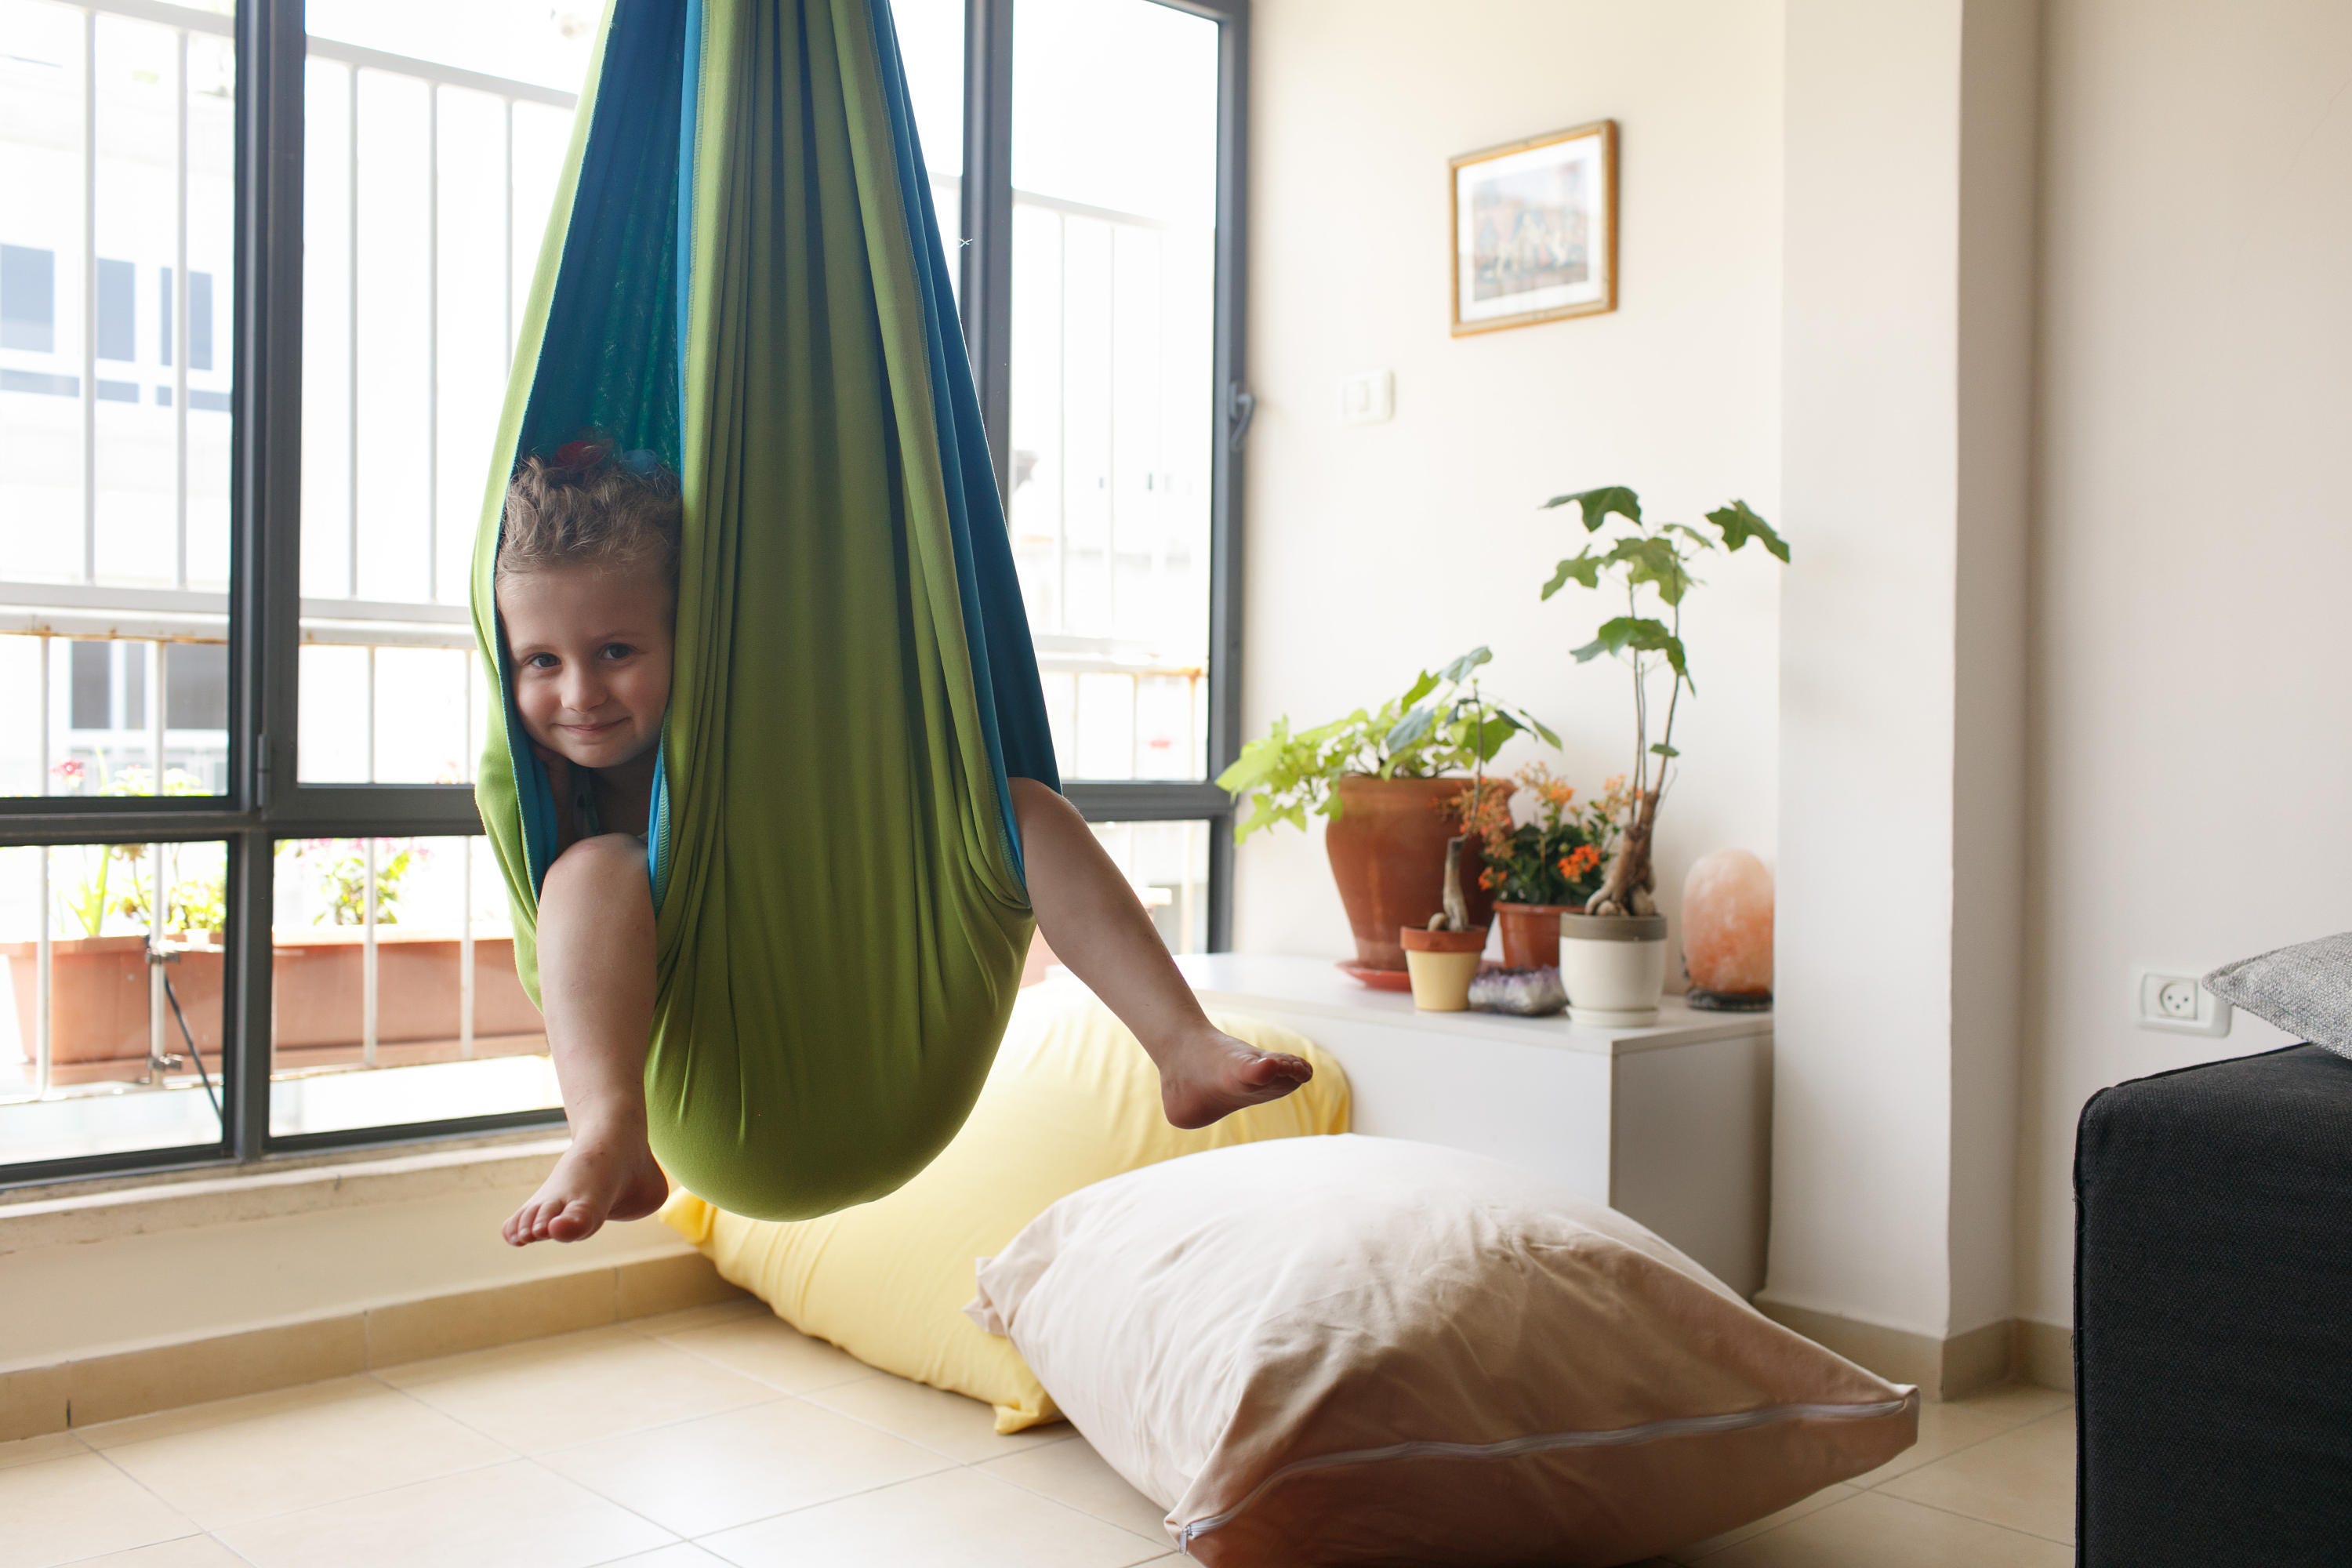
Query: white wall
[(1865, 1069), (2192, 781), (1374, 551)]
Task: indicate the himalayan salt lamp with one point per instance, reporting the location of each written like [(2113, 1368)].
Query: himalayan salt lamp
[(1727, 932)]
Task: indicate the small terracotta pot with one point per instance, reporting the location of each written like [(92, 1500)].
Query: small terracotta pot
[(1442, 963), (1388, 856), (1530, 934)]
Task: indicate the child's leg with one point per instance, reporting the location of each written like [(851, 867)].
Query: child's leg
[(596, 986), (1095, 924)]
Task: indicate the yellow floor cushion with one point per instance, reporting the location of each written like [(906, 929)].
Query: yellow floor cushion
[(1071, 1101)]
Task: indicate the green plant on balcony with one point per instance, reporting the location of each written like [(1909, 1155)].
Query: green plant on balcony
[(341, 867), (194, 903)]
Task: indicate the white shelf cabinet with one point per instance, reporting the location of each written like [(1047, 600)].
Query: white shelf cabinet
[(1670, 1125)]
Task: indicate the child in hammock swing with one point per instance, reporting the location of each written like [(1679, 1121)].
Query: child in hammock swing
[(587, 590)]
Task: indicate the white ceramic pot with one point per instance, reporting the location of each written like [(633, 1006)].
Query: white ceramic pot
[(1614, 968)]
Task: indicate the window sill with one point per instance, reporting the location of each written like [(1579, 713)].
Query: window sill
[(105, 1208)]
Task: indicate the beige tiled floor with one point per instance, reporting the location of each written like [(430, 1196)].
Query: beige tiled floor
[(719, 1436)]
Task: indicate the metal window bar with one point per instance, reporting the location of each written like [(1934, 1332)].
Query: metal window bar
[(466, 906), (506, 269), (180, 320), (44, 954), (1062, 446), (432, 342), (90, 297), (368, 961), (351, 347), (156, 884), (466, 961)]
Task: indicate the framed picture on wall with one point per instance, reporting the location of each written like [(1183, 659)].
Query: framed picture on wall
[(1534, 229)]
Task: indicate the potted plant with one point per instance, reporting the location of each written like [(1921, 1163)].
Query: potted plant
[(1377, 776), (1612, 955), (1545, 867), (1443, 957)]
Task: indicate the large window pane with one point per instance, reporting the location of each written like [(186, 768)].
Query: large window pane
[(116, 257), (434, 138), (110, 1022), (396, 995), (930, 44), (1115, 181)]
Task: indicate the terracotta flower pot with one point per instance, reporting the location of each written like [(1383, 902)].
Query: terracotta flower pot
[(1530, 934), (1443, 964), (99, 994), (99, 991), (1388, 855)]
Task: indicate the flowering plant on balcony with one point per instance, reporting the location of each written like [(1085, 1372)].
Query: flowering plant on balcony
[(340, 865), (194, 903), (1555, 856)]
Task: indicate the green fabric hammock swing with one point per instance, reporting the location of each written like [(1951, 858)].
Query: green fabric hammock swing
[(742, 274)]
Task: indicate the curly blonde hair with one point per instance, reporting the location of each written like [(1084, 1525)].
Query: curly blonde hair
[(589, 505)]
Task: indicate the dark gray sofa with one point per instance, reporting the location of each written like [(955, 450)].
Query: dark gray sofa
[(2213, 1316)]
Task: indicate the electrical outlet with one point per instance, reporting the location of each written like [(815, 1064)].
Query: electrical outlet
[(2178, 1004)]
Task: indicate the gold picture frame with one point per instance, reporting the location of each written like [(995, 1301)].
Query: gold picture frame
[(1534, 229)]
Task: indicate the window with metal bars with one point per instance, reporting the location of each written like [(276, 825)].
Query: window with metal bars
[(259, 286)]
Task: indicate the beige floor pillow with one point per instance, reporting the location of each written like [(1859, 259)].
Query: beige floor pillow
[(1352, 1350)]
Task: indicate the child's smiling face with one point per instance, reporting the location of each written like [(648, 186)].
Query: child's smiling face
[(592, 659)]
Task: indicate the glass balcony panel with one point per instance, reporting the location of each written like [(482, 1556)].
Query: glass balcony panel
[(395, 999), (1114, 415), (327, 330), (435, 135), (110, 1016), (474, 337), (395, 385), (420, 715), (116, 133), (1167, 863)]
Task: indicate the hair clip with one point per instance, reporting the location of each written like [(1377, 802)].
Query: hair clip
[(640, 462)]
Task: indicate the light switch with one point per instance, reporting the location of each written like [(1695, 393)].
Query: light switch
[(1369, 398)]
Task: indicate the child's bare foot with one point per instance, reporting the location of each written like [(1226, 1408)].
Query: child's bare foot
[(1209, 1077), (597, 1179)]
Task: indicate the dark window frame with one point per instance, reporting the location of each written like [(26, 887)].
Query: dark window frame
[(265, 803), (986, 287)]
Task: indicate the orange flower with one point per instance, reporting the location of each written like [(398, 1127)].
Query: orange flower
[(1482, 810), (1578, 861)]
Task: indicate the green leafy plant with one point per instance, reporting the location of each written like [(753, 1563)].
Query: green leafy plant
[(1649, 562), (1441, 724), (340, 865)]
